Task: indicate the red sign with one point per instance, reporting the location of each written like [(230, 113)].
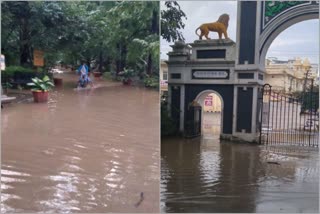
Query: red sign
[(208, 101)]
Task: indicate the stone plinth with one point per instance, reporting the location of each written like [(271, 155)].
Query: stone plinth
[(213, 50)]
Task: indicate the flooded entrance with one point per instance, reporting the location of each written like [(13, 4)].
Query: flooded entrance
[(211, 114), (204, 175), (83, 151)]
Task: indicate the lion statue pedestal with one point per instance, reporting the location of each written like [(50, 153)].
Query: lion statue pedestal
[(215, 42), (213, 50)]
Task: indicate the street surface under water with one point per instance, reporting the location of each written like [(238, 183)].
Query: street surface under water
[(83, 151), (206, 175)]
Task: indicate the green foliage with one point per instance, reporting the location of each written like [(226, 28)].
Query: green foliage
[(127, 74), (102, 33), (151, 81), (12, 70), (107, 75), (171, 22), (6, 85), (309, 99), (44, 84)]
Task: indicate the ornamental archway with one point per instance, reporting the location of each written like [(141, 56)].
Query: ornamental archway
[(237, 72), (276, 20), (258, 24)]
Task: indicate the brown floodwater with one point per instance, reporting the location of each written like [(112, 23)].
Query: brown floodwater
[(83, 151), (205, 175)]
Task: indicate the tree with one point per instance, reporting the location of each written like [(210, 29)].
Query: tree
[(30, 25), (171, 22), (102, 33)]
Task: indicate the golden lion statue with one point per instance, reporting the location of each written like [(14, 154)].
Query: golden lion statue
[(219, 26)]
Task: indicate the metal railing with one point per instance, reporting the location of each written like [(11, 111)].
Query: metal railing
[(285, 119)]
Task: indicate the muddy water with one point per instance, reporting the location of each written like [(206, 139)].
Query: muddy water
[(211, 124), (84, 151), (206, 175)]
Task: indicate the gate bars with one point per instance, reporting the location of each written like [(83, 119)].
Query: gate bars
[(285, 119)]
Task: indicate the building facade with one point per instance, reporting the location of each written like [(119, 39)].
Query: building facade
[(163, 77), (289, 76)]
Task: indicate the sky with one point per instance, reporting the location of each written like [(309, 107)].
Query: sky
[(292, 42)]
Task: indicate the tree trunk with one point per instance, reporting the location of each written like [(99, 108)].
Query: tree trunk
[(154, 30), (149, 65), (100, 62), (107, 64), (155, 23), (89, 64), (25, 58), (123, 57), (118, 59)]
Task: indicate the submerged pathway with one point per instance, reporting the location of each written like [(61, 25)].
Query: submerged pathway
[(205, 175), (83, 151)]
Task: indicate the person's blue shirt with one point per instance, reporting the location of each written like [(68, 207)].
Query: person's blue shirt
[(85, 66)]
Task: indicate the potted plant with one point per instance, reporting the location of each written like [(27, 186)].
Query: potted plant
[(40, 88), (126, 76), (57, 81), (97, 74)]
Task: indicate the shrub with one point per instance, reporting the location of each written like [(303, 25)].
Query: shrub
[(107, 75), (168, 125), (20, 76), (11, 71), (151, 81), (127, 74)]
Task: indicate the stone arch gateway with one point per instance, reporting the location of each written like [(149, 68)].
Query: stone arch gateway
[(201, 97), (234, 70)]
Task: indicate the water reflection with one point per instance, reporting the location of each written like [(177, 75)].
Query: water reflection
[(203, 175), (83, 151)]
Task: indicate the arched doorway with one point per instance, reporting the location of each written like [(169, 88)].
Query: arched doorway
[(212, 113)]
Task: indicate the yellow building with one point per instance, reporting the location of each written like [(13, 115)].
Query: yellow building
[(289, 76), (163, 77)]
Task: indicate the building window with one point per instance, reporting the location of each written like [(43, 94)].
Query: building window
[(165, 76)]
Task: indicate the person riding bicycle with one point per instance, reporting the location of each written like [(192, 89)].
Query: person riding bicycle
[(84, 78)]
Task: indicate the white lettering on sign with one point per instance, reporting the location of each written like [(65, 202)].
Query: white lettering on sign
[(210, 74)]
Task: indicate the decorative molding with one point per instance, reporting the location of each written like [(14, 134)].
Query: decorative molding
[(273, 9)]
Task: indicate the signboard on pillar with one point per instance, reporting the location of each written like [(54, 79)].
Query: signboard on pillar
[(38, 58)]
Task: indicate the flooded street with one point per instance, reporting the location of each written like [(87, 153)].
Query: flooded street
[(83, 151), (204, 175)]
